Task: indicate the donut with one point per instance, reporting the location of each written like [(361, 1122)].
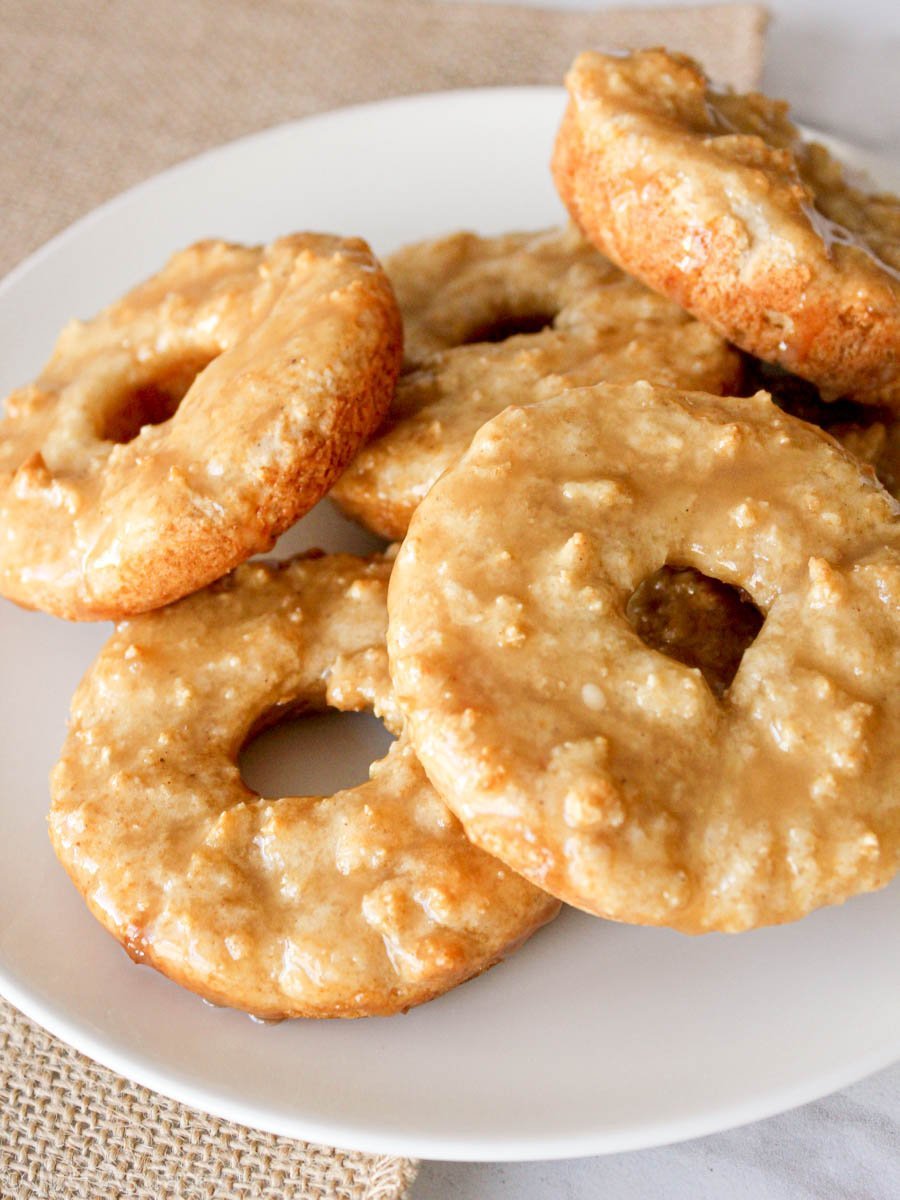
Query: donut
[(491, 321), (365, 902), (714, 199), (188, 425), (602, 769)]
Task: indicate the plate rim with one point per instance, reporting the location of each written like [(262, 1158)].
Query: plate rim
[(280, 128), (836, 143), (50, 1013), (456, 1148)]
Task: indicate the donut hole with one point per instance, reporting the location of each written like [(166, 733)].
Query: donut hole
[(295, 752), (152, 402), (510, 324), (697, 620)]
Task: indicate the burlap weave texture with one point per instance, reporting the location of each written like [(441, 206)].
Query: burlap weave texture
[(99, 94), (71, 1130)]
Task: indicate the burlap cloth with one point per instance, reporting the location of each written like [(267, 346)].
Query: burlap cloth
[(96, 95)]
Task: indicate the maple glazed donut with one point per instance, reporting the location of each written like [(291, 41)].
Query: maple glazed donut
[(492, 321), (189, 424), (364, 902), (603, 770), (714, 199)]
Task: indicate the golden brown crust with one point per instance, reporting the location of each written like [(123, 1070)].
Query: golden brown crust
[(366, 902), (458, 290), (714, 199), (608, 772), (297, 346)]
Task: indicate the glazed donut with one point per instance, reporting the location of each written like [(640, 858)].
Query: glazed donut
[(715, 200), (364, 902), (491, 321), (116, 498), (602, 769)]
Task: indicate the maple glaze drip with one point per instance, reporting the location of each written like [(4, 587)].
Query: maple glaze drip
[(833, 233)]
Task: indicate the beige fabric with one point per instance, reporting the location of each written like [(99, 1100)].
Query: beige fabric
[(96, 95), (72, 1130)]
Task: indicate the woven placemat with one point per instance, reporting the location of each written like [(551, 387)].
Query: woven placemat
[(74, 1131), (94, 96)]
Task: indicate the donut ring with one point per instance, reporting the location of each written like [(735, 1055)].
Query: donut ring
[(286, 358), (361, 903), (583, 321), (715, 200), (603, 770)]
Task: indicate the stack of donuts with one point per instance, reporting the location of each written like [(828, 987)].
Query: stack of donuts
[(638, 636)]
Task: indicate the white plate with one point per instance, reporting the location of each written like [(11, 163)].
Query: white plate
[(595, 1037)]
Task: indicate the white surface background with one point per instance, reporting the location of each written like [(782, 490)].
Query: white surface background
[(837, 62)]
